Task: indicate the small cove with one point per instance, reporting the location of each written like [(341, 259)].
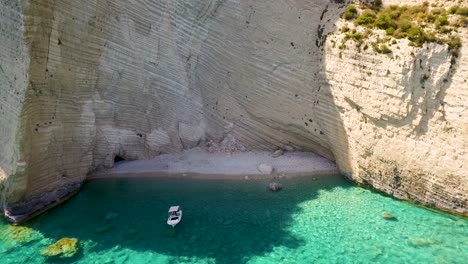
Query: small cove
[(312, 220)]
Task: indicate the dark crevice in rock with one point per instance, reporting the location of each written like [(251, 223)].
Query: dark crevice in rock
[(118, 158)]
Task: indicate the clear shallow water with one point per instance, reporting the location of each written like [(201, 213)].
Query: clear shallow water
[(310, 221)]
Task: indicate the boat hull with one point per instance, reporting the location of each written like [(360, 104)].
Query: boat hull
[(173, 221)]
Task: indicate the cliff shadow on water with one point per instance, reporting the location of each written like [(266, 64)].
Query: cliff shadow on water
[(249, 220), (229, 222), (225, 221), (249, 70)]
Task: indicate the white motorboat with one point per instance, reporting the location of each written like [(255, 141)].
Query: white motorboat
[(175, 215)]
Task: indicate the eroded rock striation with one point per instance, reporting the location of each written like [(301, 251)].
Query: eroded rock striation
[(82, 82)]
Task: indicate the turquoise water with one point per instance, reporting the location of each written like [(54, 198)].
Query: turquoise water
[(327, 220)]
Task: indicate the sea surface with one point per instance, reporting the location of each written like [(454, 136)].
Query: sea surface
[(312, 220)]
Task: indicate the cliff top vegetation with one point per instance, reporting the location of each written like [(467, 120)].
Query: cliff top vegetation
[(419, 24)]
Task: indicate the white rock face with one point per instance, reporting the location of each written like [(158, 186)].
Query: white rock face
[(97, 79), (265, 168), (406, 134)]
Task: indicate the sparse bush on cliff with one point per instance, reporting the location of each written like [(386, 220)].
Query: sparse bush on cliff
[(389, 31), (461, 22), (355, 36), (366, 18), (454, 43), (350, 12), (385, 21), (384, 49), (377, 3), (462, 11), (453, 9), (430, 37), (419, 23), (416, 35), (404, 24), (426, 76), (380, 48), (443, 20), (345, 28)]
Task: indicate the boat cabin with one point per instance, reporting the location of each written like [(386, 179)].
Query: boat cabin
[(174, 211)]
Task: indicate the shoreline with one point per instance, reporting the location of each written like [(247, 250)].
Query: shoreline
[(195, 163), (199, 164)]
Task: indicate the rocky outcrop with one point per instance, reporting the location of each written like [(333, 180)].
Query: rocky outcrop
[(63, 248), (84, 82)]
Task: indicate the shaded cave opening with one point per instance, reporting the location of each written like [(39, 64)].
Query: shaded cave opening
[(118, 158)]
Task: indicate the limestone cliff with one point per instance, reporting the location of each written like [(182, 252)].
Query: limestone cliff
[(84, 81)]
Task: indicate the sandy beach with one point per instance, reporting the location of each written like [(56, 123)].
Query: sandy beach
[(198, 163)]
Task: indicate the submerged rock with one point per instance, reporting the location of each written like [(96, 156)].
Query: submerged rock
[(388, 216), (111, 216), (420, 242), (265, 168), (65, 247), (278, 153), (274, 187), (102, 229), (131, 231), (288, 148), (21, 234)]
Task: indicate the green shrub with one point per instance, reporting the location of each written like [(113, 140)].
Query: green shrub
[(453, 9), (384, 49), (348, 16), (350, 12), (443, 20), (355, 36), (404, 24), (416, 34), (393, 7), (366, 18), (389, 31), (430, 18), (408, 22), (462, 11), (437, 11), (431, 37), (376, 47), (345, 28), (421, 18), (426, 76), (394, 13), (351, 9), (399, 34), (412, 10), (377, 3), (454, 43), (461, 22), (444, 30), (384, 21)]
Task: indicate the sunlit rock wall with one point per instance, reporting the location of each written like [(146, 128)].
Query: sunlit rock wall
[(99, 79), (405, 117)]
